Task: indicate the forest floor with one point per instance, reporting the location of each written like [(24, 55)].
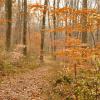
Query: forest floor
[(31, 85)]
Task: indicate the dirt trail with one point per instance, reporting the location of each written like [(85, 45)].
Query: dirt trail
[(27, 86)]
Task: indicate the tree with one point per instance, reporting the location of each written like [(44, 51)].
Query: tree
[(54, 24), (25, 27), (98, 29), (42, 30), (84, 23), (8, 9)]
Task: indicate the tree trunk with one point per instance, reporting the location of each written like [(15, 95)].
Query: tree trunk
[(98, 29), (54, 24), (42, 31), (84, 23), (25, 28), (8, 9)]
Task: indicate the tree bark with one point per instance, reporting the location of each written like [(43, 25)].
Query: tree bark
[(8, 9), (25, 28), (42, 31), (84, 23)]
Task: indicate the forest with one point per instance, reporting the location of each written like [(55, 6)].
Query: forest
[(49, 49)]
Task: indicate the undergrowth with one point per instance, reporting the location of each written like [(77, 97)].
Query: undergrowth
[(15, 62), (84, 86)]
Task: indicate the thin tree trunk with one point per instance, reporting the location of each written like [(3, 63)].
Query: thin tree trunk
[(8, 9), (42, 31), (98, 29), (84, 22), (25, 28), (54, 23)]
